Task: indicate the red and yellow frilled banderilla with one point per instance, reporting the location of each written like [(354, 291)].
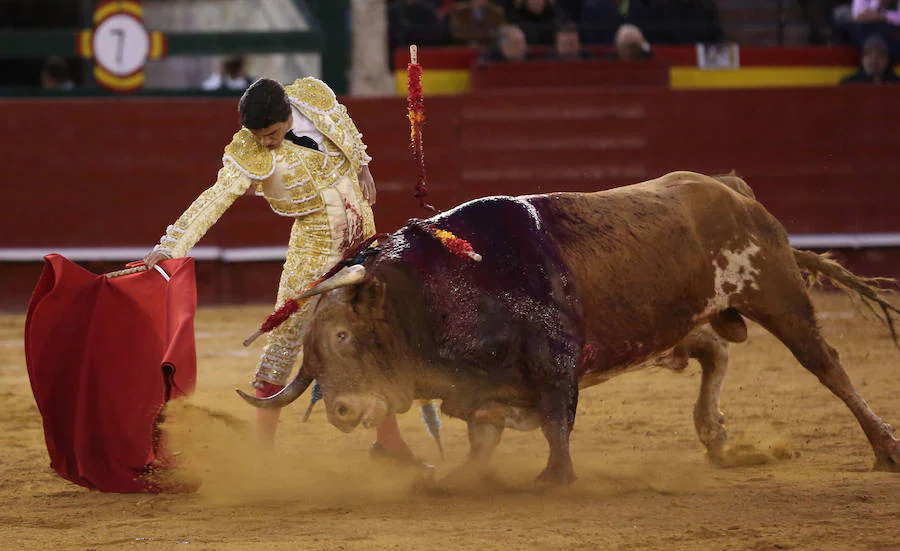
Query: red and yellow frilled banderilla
[(323, 284), (415, 106)]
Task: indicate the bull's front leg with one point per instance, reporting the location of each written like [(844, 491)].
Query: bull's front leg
[(483, 440), (557, 419)]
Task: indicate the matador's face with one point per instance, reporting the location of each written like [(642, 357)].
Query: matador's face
[(271, 137)]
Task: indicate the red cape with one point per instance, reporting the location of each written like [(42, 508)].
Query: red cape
[(104, 356)]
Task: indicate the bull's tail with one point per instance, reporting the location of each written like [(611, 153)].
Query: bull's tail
[(867, 289)]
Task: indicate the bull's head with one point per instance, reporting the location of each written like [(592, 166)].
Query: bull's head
[(354, 353)]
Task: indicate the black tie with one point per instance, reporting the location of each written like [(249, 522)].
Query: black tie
[(302, 141)]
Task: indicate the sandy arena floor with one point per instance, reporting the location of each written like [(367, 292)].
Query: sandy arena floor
[(644, 482)]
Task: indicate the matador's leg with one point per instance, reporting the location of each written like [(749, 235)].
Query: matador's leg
[(310, 253), (388, 440), (280, 354)]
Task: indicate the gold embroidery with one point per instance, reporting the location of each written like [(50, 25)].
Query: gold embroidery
[(333, 122), (305, 173), (245, 151), (310, 253), (313, 94)]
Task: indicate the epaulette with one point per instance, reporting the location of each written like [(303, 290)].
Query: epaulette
[(313, 94), (249, 156)]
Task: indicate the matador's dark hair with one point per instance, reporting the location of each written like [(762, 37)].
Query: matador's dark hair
[(263, 104)]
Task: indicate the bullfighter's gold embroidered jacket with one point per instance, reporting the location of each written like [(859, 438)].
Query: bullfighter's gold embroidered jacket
[(290, 177)]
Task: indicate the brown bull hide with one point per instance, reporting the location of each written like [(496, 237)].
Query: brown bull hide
[(573, 289)]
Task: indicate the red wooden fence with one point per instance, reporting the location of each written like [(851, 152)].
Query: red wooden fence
[(102, 172)]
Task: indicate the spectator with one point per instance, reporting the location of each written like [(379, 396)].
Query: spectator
[(630, 45), (875, 66), (601, 18), (686, 22), (568, 45), (231, 77), (55, 75), (881, 17), (876, 11), (414, 22), (476, 22), (537, 18), (510, 46)]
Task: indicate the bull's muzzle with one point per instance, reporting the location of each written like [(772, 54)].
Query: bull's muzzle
[(349, 410)]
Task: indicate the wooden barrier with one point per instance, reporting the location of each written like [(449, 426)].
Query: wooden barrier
[(463, 57), (103, 173), (453, 70)]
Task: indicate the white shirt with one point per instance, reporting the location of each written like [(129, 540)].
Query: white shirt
[(304, 127)]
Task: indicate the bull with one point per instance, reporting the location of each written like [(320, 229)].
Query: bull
[(573, 289)]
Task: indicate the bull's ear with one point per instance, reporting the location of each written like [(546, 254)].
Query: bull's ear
[(369, 297)]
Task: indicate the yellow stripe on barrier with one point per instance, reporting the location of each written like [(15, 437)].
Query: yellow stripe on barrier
[(684, 78), (458, 81), (437, 81)]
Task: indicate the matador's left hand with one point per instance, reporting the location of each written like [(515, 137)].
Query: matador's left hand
[(367, 185)]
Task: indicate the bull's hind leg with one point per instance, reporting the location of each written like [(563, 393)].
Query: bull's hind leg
[(711, 351), (783, 307)]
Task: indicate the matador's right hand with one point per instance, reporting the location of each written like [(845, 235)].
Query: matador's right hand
[(367, 185), (154, 257)]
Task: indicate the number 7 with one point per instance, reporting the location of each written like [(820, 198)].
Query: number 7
[(120, 33)]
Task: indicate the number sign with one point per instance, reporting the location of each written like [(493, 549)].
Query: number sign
[(120, 45)]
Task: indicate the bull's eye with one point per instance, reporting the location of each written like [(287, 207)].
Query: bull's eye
[(341, 341)]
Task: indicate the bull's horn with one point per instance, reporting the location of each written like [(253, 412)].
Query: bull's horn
[(284, 397), (350, 275)]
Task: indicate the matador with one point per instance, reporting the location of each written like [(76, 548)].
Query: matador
[(298, 148)]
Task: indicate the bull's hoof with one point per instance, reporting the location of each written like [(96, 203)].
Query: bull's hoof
[(715, 454), (556, 477), (888, 463)]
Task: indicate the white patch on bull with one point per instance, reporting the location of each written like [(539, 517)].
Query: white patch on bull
[(737, 274)]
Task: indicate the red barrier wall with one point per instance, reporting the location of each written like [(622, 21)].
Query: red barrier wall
[(463, 57), (101, 172)]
